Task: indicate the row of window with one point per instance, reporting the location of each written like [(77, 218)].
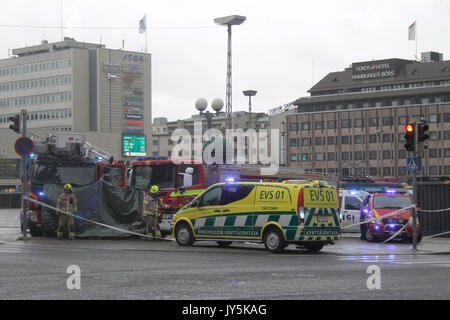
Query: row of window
[(361, 139), (360, 123), (35, 67), (361, 155), (37, 83), (43, 115), (408, 101), (62, 129), (385, 171), (38, 99), (407, 85), (387, 87)]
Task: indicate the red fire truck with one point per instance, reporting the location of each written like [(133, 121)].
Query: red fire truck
[(67, 158), (181, 181)]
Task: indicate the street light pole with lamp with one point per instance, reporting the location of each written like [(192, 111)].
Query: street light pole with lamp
[(250, 94), (229, 21)]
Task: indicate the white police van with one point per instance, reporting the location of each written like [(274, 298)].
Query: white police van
[(351, 201)]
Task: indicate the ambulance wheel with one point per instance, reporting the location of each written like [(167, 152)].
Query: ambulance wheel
[(274, 240), (224, 243), (313, 246), (183, 234)]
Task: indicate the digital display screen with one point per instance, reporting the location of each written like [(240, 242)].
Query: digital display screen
[(134, 145)]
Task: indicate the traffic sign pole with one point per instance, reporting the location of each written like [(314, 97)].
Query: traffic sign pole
[(414, 181), (24, 180)]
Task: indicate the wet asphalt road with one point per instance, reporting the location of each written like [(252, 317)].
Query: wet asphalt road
[(137, 269)]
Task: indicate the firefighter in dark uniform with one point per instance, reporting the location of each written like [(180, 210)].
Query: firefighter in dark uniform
[(151, 206), (67, 202)]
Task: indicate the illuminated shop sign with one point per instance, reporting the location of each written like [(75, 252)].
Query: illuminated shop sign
[(133, 98), (133, 122), (374, 70), (134, 116), (133, 57)]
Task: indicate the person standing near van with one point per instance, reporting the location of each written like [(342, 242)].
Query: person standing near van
[(151, 205)]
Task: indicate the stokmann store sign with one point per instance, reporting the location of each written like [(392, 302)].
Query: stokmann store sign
[(374, 70)]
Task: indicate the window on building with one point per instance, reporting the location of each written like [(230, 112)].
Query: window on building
[(446, 117), (434, 170), (373, 122), (372, 138), (373, 171), (319, 125), (435, 135), (331, 124), (447, 153), (306, 142), (331, 140), (320, 156), (331, 156), (359, 155), (306, 125), (318, 141), (386, 154), (446, 135), (359, 123), (372, 155), (433, 153), (359, 139), (345, 123), (305, 157), (402, 154), (293, 126), (293, 142), (345, 155), (386, 171), (388, 121), (387, 137), (293, 157), (346, 139), (447, 170), (435, 118)]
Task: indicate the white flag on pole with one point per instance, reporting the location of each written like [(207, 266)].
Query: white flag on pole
[(143, 25), (412, 31)]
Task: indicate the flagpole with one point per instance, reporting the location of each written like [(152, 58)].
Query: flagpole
[(417, 58)]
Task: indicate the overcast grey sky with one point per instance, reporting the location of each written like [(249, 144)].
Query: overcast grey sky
[(280, 50)]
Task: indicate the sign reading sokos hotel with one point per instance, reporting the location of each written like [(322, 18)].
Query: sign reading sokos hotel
[(373, 70)]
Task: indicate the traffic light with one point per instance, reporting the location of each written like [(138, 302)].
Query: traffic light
[(409, 137), (423, 136), (16, 123)]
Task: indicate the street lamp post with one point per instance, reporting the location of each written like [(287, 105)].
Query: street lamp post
[(229, 21), (250, 94)]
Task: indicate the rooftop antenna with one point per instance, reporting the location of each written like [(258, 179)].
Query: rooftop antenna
[(62, 37)]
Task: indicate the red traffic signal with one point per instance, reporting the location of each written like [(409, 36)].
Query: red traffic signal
[(409, 137), (409, 127)]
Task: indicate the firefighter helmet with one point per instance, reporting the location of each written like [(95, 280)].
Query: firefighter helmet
[(154, 189), (68, 186)]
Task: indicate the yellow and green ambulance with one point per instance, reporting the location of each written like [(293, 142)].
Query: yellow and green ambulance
[(304, 213)]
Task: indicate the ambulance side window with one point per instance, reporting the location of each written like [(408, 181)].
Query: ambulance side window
[(212, 197), (232, 193)]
